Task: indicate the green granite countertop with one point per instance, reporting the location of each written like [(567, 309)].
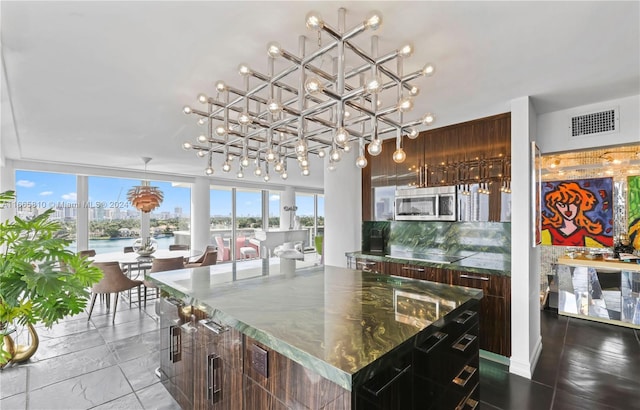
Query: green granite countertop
[(474, 262), (334, 321)]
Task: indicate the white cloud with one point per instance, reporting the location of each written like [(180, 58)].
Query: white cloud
[(71, 196), (25, 183), (46, 193), (274, 197)]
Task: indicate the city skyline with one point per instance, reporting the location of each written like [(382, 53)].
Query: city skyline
[(53, 190)]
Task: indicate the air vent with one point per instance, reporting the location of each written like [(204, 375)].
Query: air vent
[(596, 123)]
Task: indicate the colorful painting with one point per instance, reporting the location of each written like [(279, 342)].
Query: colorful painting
[(633, 209), (578, 212)]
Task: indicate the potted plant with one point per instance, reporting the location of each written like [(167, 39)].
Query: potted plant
[(40, 280)]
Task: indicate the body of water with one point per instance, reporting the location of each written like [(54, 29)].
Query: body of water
[(117, 245)]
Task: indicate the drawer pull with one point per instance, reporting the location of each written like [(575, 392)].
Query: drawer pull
[(465, 316), (464, 376), (214, 326), (387, 384), (175, 344), (213, 378), (430, 343), (464, 342), (475, 277), (413, 269), (467, 403)]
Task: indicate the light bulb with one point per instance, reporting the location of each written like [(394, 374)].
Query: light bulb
[(322, 153), (428, 119), (428, 70), (412, 133), (414, 91), (278, 167), (244, 161), (312, 85), (406, 51), (243, 69), (331, 167), (201, 154), (375, 147), (244, 118), (240, 174), (399, 155), (186, 145), (405, 104), (267, 178), (304, 162), (201, 121), (208, 171), (373, 84), (346, 147), (347, 114), (270, 156), (284, 175), (374, 20), (186, 109), (341, 136), (257, 172), (314, 21), (226, 167), (202, 98), (361, 161), (274, 50), (230, 157), (202, 138), (220, 86), (221, 131), (335, 155), (274, 106), (301, 147), (306, 172)]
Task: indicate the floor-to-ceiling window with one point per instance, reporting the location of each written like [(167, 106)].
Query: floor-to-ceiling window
[(38, 191), (221, 207), (274, 209), (310, 215)]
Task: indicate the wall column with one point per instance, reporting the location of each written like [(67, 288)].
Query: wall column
[(343, 211), (200, 214), (82, 216), (526, 342), (7, 183), (288, 198)]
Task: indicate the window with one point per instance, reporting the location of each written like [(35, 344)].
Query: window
[(274, 209), (38, 191)]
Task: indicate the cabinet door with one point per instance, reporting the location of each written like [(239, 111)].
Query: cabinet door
[(390, 389), (176, 353), (409, 172), (218, 368)]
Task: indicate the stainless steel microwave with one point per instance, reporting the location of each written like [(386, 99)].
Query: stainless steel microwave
[(426, 204)]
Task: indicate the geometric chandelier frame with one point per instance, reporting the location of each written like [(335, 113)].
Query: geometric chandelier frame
[(326, 102)]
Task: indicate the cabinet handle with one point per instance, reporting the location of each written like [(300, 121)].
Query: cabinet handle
[(467, 403), (464, 376), (214, 326), (439, 338), (465, 316), (213, 378), (175, 344), (389, 383), (474, 277), (413, 269), (464, 342)]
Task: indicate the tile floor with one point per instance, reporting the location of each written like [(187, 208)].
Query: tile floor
[(98, 365)]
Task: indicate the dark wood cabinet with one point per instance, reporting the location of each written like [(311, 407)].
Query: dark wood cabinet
[(409, 172)]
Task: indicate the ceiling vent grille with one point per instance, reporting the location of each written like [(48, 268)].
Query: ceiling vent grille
[(596, 123)]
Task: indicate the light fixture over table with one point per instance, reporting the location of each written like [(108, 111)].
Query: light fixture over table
[(319, 103), (145, 197)]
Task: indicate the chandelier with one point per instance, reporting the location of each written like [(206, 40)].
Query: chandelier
[(145, 197), (324, 102)]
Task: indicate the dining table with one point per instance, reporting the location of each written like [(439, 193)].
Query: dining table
[(132, 261)]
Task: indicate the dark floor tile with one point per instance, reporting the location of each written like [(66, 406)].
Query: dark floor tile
[(603, 337), (508, 391), (567, 401), (59, 368), (546, 371), (13, 380), (82, 392)]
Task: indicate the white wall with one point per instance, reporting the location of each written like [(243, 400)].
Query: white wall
[(343, 211), (526, 342), (553, 128)]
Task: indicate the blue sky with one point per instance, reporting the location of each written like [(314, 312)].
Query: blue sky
[(50, 188)]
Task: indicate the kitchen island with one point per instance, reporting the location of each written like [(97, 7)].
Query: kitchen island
[(320, 338)]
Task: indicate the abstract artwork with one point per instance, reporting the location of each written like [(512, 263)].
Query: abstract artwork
[(578, 212), (633, 209)]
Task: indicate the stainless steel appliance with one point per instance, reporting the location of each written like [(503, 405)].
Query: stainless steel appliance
[(426, 204)]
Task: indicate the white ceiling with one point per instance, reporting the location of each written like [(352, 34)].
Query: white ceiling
[(104, 83)]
